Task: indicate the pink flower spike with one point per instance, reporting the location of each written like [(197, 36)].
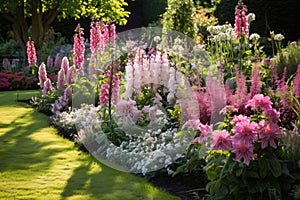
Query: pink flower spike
[(42, 74), (31, 53), (243, 151), (65, 64), (221, 140), (60, 79)]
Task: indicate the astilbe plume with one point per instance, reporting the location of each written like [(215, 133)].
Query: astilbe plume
[(241, 20), (241, 96), (255, 81), (78, 49), (42, 74), (296, 83), (31, 53)]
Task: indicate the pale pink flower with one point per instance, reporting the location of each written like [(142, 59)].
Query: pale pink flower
[(239, 118), (31, 53), (60, 79), (49, 62), (6, 63), (68, 92), (115, 89), (221, 140), (259, 101), (42, 74), (65, 64), (245, 131), (243, 152), (191, 124), (71, 74), (206, 131), (57, 61), (269, 134), (47, 87)]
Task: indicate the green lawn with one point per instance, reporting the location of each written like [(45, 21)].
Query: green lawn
[(36, 163)]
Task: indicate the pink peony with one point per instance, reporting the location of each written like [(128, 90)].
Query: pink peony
[(243, 151), (269, 134), (259, 101), (239, 118), (221, 140), (245, 131)]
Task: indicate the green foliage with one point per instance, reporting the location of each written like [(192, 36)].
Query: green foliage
[(178, 17), (289, 57), (10, 49)]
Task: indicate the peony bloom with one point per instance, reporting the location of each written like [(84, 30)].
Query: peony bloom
[(244, 152), (259, 101), (245, 131), (221, 140), (269, 134), (31, 53), (42, 74), (239, 118)]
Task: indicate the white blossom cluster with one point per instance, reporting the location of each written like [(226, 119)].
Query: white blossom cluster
[(150, 151), (221, 33)]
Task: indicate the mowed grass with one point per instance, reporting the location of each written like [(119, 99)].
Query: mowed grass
[(36, 163)]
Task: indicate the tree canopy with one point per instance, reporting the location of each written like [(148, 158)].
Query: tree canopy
[(41, 13)]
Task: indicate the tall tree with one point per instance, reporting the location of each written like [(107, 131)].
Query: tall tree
[(39, 14)]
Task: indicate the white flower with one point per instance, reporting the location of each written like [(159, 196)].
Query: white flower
[(278, 37), (251, 17), (254, 37)]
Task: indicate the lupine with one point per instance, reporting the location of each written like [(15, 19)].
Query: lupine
[(49, 62), (65, 64), (47, 87), (79, 48), (6, 63), (71, 74), (57, 61), (42, 74), (241, 20), (61, 79), (31, 53)]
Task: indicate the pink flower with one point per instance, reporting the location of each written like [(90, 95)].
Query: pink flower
[(78, 48), (221, 140), (241, 20), (243, 151), (259, 101), (115, 89), (245, 131), (95, 36), (68, 92), (112, 34), (6, 63), (47, 87), (104, 92), (49, 62), (239, 118), (65, 64), (206, 131), (192, 124), (57, 61), (269, 134), (61, 79), (71, 74), (42, 74), (31, 53), (255, 81), (272, 114)]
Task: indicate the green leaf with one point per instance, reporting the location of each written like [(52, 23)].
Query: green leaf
[(275, 167), (264, 167)]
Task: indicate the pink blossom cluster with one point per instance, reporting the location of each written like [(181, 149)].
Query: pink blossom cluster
[(104, 90), (62, 102), (241, 20), (31, 53), (78, 49), (100, 35), (127, 112), (6, 63), (245, 132)]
